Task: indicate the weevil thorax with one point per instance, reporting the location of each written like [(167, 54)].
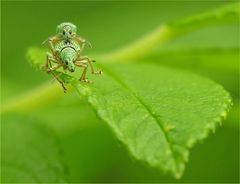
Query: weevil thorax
[(66, 30)]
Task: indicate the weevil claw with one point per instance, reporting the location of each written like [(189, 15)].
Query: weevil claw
[(49, 70), (100, 72), (86, 80)]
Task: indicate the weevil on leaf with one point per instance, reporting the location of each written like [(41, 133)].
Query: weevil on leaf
[(66, 52)]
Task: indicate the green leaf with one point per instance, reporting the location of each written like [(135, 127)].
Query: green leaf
[(219, 64), (222, 15), (160, 119), (229, 14), (29, 152), (159, 113)]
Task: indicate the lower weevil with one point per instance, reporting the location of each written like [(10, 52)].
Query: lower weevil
[(66, 51)]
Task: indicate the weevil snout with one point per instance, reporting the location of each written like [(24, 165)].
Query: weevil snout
[(70, 66)]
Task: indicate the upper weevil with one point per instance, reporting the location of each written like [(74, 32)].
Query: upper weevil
[(66, 51)]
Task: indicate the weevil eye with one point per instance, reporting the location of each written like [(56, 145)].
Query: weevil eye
[(64, 32), (66, 63), (70, 32)]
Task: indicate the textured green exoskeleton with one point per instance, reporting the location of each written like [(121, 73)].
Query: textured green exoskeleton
[(66, 51)]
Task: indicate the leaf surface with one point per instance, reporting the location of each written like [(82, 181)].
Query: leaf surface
[(29, 152), (158, 113)]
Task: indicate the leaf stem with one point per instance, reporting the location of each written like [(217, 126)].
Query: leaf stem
[(140, 47), (32, 99), (163, 34), (170, 31)]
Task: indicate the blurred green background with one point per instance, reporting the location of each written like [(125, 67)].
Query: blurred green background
[(90, 150)]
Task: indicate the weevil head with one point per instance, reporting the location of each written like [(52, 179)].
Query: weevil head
[(70, 65), (66, 30)]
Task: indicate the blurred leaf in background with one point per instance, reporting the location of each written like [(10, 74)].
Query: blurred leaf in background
[(30, 152), (89, 150)]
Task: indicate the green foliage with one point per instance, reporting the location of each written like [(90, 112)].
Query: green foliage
[(159, 113), (29, 152), (170, 31), (222, 15), (158, 120)]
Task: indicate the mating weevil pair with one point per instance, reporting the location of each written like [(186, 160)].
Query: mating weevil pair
[(66, 51)]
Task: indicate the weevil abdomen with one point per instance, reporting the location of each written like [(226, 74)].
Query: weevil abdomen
[(68, 54)]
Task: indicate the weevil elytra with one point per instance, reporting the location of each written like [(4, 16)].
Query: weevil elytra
[(66, 51)]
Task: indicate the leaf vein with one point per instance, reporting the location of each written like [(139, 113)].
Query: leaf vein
[(157, 120)]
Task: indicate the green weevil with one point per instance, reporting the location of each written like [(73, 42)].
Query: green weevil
[(66, 51)]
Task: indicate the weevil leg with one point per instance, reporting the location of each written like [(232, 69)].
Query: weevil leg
[(52, 58), (48, 62), (83, 77), (51, 42), (60, 81), (54, 67), (50, 70), (49, 59), (89, 61), (83, 43)]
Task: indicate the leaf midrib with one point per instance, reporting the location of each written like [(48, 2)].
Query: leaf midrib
[(148, 109)]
